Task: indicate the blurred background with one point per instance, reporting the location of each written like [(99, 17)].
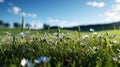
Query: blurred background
[(66, 14)]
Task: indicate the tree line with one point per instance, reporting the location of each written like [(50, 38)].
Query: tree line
[(97, 27), (15, 24), (4, 24)]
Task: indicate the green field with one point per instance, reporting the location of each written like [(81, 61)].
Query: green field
[(59, 48)]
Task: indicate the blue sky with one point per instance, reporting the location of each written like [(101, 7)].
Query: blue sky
[(63, 13)]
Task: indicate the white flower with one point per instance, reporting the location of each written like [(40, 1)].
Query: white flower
[(92, 30), (44, 38), (85, 37), (51, 41), (115, 42), (112, 36), (7, 33), (24, 62), (42, 59), (62, 34), (54, 37), (118, 50), (119, 56), (21, 34), (37, 61), (100, 36), (69, 34), (95, 33), (83, 44), (55, 34), (114, 58), (27, 33), (118, 61), (46, 59), (95, 48)]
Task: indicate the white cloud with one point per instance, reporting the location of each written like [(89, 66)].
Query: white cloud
[(117, 1), (61, 23), (116, 7), (101, 4), (96, 4), (36, 25), (16, 10), (89, 3), (32, 15), (1, 1), (52, 20), (113, 14)]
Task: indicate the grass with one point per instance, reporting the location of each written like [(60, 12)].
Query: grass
[(63, 48), (18, 30)]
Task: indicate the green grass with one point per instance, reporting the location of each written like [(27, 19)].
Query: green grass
[(18, 30), (65, 48), (14, 31)]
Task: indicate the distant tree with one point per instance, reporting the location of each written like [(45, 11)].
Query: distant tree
[(27, 25), (6, 24), (1, 22), (16, 25), (46, 26), (54, 27)]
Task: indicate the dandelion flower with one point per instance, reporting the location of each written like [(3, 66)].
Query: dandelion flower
[(85, 37), (21, 34), (24, 62)]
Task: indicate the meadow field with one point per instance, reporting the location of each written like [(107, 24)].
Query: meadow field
[(59, 48)]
